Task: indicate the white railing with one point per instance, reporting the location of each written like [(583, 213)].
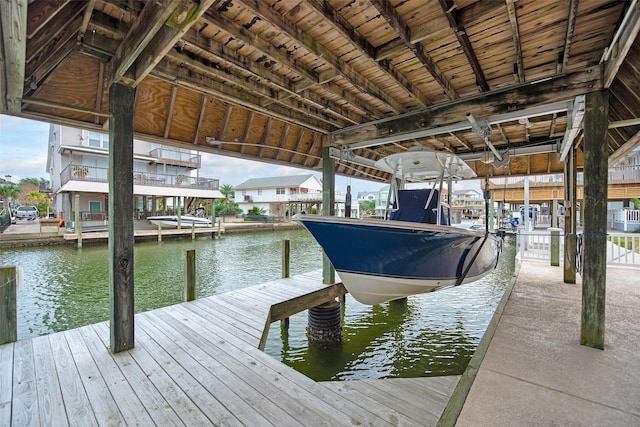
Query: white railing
[(536, 246), (622, 248), (624, 219)]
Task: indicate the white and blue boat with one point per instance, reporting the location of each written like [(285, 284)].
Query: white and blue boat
[(413, 249)]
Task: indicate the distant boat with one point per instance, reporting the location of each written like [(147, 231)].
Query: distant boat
[(186, 221), (413, 250)]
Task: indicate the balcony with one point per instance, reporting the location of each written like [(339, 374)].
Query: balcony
[(172, 156), (96, 174)]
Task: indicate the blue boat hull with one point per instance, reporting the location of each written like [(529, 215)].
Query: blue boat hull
[(382, 260)]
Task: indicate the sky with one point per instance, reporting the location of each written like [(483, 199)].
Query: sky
[(23, 154)]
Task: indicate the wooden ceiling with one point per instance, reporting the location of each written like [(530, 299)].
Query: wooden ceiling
[(276, 80)]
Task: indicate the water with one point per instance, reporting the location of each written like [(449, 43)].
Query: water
[(432, 334), (425, 335)]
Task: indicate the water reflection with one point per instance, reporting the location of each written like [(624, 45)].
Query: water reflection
[(425, 335)]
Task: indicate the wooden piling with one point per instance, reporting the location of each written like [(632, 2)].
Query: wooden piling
[(190, 275), (596, 176), (8, 305), (286, 251)]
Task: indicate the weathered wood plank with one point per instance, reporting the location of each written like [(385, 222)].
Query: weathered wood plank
[(257, 392), (8, 305), (74, 392), (6, 383), (187, 356), (13, 17), (50, 401), (153, 385), (24, 410), (292, 384)]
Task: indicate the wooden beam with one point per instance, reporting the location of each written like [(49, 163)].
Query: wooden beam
[(61, 28), (177, 24), (625, 36), (201, 115), (99, 90), (571, 24), (275, 18), (515, 33), (41, 12), (309, 77), (514, 98), (121, 279), (88, 11), (170, 107), (247, 127), (265, 136), (328, 205), (450, 10), (151, 19), (396, 22), (53, 104), (283, 139), (332, 17), (627, 148), (13, 24), (594, 264)]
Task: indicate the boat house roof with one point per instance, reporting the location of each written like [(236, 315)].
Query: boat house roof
[(278, 80)]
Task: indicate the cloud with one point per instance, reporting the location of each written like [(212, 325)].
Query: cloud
[(23, 154)]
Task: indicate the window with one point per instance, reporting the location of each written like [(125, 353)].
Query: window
[(280, 190), (98, 140), (259, 191)]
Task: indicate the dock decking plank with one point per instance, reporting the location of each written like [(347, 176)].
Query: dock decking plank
[(432, 403), (232, 323), (210, 353), (294, 384), (6, 383), (95, 385), (25, 398), (50, 401), (137, 401), (230, 404), (138, 365), (77, 406)]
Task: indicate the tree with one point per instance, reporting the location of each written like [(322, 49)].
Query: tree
[(30, 181), (37, 199), (227, 191), (8, 191), (255, 211), (368, 207), (225, 207)]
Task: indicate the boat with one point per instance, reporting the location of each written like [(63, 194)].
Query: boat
[(412, 249), (186, 221)]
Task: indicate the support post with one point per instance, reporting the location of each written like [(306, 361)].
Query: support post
[(328, 201), (8, 305), (570, 237), (596, 179), (190, 274), (76, 219), (555, 246), (121, 281), (286, 252)]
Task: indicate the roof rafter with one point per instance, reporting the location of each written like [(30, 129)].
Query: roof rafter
[(450, 10), (515, 32), (340, 24), (394, 19), (344, 69)]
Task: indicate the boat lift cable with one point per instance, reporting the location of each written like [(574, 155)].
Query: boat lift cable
[(473, 260)]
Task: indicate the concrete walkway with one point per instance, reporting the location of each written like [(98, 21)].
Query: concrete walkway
[(535, 372)]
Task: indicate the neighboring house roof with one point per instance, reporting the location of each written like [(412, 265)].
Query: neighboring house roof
[(467, 192), (274, 182)]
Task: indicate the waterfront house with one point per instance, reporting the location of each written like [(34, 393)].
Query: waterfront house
[(163, 177), (283, 196)]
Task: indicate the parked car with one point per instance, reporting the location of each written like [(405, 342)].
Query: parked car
[(27, 212)]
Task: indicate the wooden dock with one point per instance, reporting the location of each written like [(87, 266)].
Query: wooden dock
[(200, 363), (138, 235)]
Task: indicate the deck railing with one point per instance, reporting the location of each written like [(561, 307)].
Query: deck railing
[(622, 248), (97, 174)]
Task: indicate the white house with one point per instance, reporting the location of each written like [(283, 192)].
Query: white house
[(78, 166), (283, 196)]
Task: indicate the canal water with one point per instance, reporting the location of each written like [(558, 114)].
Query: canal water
[(432, 334)]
